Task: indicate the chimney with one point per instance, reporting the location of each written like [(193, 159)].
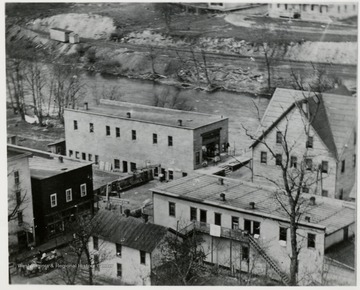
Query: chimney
[(128, 114), (252, 205), (307, 219), (312, 200), (127, 212), (221, 181), (61, 159), (86, 106), (180, 122), (222, 195)]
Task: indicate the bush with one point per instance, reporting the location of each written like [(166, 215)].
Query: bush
[(91, 55)]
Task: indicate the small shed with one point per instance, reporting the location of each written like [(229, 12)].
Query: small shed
[(60, 34), (58, 147), (74, 38)]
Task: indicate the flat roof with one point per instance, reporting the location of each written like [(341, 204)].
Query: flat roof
[(13, 154), (151, 114), (327, 213), (61, 29)]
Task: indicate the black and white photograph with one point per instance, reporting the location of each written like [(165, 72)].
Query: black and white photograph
[(181, 143)]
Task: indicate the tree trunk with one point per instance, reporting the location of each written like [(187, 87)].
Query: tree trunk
[(294, 252)]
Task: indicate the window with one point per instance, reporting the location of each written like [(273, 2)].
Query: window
[(324, 193), (16, 177), (132, 166), (171, 174), (83, 190), (90, 157), (217, 218), (283, 234), (193, 213), (278, 137), (18, 197), (245, 253), (68, 195), (184, 174), (154, 138), (71, 153), (310, 142), (119, 270), (53, 200), (285, 6), (133, 134), (83, 156), (96, 263), (118, 250), (91, 128), (256, 228), (341, 195), (234, 223), (252, 227), (354, 138), (278, 159), (156, 171), (305, 189), (278, 5), (304, 7), (343, 166), (142, 257), (77, 154), (203, 216), (116, 163), (95, 243), (108, 131), (172, 209), (308, 163), (263, 157), (75, 125), (197, 158), (293, 161), (354, 160), (324, 166), (117, 132), (20, 217), (96, 159), (312, 7), (311, 240), (345, 7), (170, 141)]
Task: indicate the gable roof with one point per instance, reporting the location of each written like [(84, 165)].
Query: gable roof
[(333, 116), (127, 231)]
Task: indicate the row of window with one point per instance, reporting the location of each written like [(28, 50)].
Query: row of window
[(83, 156), (68, 195), (312, 7), (117, 133), (308, 144)]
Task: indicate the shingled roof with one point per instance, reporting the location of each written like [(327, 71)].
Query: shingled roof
[(127, 231)]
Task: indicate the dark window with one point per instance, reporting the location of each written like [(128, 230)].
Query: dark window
[(197, 158), (308, 163), (96, 159), (171, 174), (108, 131), (278, 5), (278, 137), (256, 228), (18, 197), (310, 142), (184, 174), (311, 240), (193, 213), (324, 192), (77, 154), (90, 157), (234, 222), (116, 163), (354, 138), (91, 128), (154, 138), (245, 253), (95, 243), (71, 153), (96, 263), (305, 189), (278, 159), (247, 226), (252, 227), (285, 6), (172, 209), (203, 218), (343, 166), (16, 177), (156, 171), (283, 234), (217, 219), (133, 134), (324, 166), (341, 195), (263, 158), (117, 132), (312, 7), (119, 270), (293, 161), (132, 166), (170, 141), (83, 156), (142, 257), (20, 217), (75, 125), (354, 160)]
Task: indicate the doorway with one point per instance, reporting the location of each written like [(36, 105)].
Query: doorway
[(125, 166)]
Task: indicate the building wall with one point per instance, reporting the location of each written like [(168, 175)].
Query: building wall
[(22, 166), (337, 274), (133, 272), (297, 138), (310, 259), (59, 35), (338, 236)]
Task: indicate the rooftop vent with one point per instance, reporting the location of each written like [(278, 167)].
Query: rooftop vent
[(128, 114), (307, 219), (222, 195), (221, 181), (252, 205), (86, 106), (312, 200), (61, 159), (180, 122)]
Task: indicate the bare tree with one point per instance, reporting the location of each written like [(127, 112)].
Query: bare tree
[(167, 11), (167, 99)]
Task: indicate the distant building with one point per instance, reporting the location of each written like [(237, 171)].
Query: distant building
[(229, 6), (125, 248), (61, 188), (60, 34), (245, 229), (322, 12), (331, 146), (20, 208), (12, 139), (74, 38), (58, 147), (126, 137)]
